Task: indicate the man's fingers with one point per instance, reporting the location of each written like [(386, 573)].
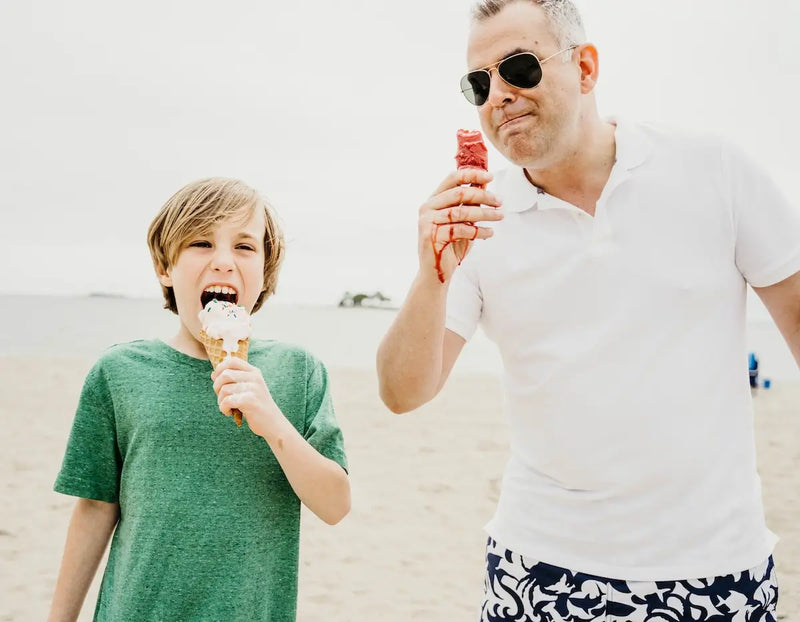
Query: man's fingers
[(463, 176), (462, 195), (466, 213), (459, 231)]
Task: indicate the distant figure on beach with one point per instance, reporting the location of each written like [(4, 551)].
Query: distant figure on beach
[(205, 515), (752, 363), (610, 268)]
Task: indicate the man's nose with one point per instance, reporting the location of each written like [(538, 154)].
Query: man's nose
[(500, 91)]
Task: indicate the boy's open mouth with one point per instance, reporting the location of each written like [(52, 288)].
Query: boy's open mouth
[(220, 292)]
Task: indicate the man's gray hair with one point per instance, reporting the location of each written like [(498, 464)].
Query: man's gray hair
[(565, 20)]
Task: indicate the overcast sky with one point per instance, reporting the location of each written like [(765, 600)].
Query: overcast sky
[(342, 113)]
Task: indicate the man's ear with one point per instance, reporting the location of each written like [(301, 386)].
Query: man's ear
[(589, 64), (164, 276)]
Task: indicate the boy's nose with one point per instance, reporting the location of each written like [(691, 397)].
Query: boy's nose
[(222, 261)]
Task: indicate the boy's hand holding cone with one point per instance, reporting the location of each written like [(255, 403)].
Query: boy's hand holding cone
[(225, 333)]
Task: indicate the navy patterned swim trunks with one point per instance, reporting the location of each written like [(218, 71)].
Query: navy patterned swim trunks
[(520, 589)]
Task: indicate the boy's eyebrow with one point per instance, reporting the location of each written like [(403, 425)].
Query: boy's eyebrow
[(245, 234)]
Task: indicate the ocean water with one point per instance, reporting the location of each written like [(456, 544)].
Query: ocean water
[(308, 276), (344, 337), (84, 326)]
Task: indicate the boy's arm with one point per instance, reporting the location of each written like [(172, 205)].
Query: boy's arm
[(320, 483), (90, 528)]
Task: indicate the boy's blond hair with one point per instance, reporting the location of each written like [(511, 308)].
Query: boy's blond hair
[(194, 210)]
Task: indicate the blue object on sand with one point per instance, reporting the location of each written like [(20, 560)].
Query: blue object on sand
[(767, 383)]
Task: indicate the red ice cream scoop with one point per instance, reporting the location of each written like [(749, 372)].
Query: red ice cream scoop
[(472, 153)]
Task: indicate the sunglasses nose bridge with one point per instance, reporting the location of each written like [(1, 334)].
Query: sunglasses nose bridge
[(507, 86), (499, 87)]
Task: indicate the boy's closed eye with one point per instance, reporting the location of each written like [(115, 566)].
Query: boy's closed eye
[(205, 244)]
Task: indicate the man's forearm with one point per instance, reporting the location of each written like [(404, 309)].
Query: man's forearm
[(409, 358), (90, 528)]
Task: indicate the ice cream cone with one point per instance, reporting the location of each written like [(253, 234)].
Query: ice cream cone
[(216, 355)]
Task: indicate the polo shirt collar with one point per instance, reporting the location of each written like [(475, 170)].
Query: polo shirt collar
[(633, 146), (519, 194)]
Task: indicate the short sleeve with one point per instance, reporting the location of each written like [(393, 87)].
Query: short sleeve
[(464, 300), (767, 225), (322, 430), (92, 464)]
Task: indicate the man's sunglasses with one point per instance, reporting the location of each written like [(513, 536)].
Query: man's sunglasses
[(522, 71)]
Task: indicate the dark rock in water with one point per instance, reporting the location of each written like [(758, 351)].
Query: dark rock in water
[(376, 299), (105, 295)]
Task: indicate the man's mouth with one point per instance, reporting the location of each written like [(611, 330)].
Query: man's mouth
[(223, 293), (512, 120)]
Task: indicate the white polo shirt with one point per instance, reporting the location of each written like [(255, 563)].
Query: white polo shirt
[(625, 369)]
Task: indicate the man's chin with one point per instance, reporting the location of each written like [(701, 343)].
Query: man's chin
[(524, 157), (528, 151)]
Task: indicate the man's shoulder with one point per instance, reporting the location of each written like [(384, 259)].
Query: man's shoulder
[(663, 135), (704, 153)]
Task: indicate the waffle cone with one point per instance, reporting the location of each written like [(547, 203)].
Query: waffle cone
[(216, 355)]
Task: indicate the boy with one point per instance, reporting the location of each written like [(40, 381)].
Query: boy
[(205, 514)]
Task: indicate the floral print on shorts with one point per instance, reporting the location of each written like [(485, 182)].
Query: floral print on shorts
[(519, 589)]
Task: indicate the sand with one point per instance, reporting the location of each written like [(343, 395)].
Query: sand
[(424, 484)]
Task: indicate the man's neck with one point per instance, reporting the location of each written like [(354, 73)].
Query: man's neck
[(580, 177)]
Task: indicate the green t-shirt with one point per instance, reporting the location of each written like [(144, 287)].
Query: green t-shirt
[(209, 525)]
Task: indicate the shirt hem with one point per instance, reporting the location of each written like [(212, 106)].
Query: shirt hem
[(777, 274), (78, 488), (460, 328)]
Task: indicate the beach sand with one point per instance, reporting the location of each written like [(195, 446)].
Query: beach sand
[(424, 484)]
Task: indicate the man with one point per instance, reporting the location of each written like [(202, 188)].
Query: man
[(611, 258)]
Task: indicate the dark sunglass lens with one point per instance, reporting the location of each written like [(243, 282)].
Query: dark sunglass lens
[(475, 86), (521, 70)]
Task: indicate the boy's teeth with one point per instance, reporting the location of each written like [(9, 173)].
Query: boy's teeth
[(218, 289)]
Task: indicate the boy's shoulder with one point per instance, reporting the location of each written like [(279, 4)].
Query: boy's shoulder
[(133, 350), (128, 356), (129, 362), (281, 352)]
